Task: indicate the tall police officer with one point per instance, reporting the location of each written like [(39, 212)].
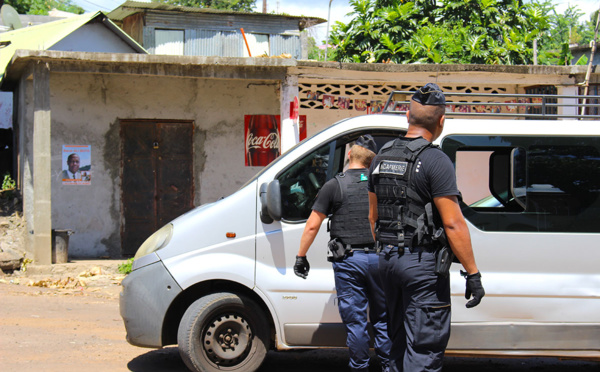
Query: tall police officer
[(355, 262), (412, 195)]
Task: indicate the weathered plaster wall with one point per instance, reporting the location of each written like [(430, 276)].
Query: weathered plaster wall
[(23, 120), (86, 110)]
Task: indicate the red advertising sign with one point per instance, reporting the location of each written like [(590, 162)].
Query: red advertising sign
[(262, 134), (302, 126), (294, 108)]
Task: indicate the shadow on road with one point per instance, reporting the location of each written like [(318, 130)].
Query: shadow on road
[(168, 360), (162, 360), (336, 360)]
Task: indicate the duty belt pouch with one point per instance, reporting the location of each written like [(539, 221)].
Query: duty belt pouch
[(336, 251), (443, 260)]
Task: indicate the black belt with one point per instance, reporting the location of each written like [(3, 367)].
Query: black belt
[(361, 247), (413, 249)]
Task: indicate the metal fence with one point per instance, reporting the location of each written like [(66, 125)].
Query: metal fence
[(525, 106)]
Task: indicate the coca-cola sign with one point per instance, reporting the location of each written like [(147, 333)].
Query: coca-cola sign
[(270, 141), (262, 139)]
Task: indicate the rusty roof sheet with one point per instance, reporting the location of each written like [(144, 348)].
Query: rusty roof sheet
[(129, 8)]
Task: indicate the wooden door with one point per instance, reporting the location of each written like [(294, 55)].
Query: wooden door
[(157, 177)]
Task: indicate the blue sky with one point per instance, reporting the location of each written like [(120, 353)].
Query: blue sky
[(319, 8)]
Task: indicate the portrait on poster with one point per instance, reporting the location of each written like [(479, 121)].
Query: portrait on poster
[(76, 165)]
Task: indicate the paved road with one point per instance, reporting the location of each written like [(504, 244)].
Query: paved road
[(79, 329)]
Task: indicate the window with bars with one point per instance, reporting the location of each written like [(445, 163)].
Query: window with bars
[(548, 106)]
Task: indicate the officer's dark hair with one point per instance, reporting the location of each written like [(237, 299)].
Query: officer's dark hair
[(71, 157), (425, 116), (361, 155)]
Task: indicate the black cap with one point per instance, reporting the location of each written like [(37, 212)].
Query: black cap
[(367, 142), (430, 94)]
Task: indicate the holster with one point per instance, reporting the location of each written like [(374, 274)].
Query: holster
[(443, 260), (336, 250)]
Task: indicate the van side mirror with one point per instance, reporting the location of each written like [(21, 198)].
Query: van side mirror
[(264, 212), (270, 200), (274, 200)]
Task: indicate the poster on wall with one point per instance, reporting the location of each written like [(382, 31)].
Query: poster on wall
[(343, 103), (328, 100), (377, 106), (313, 96), (77, 165), (360, 104), (262, 134), (302, 127)]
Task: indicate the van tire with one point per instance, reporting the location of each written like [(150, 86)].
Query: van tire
[(223, 332)]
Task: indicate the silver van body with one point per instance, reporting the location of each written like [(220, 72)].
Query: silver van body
[(534, 223)]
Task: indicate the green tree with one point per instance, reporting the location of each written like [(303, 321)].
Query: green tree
[(43, 7), (236, 5), (449, 31), (565, 29)]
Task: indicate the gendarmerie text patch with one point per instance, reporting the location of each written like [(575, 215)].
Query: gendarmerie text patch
[(393, 167)]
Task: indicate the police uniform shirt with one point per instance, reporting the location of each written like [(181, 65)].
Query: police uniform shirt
[(433, 174), (329, 196)]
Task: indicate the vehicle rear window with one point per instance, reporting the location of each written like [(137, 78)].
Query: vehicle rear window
[(528, 183)]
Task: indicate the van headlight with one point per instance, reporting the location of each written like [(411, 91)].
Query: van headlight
[(156, 241)]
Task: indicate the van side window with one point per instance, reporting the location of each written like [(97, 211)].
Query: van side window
[(301, 182), (528, 183)]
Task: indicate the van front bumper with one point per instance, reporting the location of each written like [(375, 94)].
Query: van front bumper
[(146, 296)]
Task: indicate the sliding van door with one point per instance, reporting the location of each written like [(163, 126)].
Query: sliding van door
[(307, 309), (533, 204)]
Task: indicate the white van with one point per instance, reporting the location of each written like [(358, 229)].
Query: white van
[(219, 282)]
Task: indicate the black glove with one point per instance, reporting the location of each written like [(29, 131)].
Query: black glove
[(474, 287), (301, 267)]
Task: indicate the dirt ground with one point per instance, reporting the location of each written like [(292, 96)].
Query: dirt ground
[(56, 325)]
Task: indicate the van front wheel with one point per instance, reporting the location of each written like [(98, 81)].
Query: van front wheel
[(223, 332)]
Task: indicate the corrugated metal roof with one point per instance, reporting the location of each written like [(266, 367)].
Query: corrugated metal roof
[(44, 36), (132, 7)]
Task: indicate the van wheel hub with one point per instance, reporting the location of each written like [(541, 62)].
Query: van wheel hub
[(227, 339)]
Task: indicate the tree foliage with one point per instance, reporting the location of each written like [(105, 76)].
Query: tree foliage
[(236, 5), (453, 31), (43, 7)]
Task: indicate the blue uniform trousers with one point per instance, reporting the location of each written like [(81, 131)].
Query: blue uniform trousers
[(360, 298), (418, 306)]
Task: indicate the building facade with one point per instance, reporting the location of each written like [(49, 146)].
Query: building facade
[(175, 30), (160, 135)]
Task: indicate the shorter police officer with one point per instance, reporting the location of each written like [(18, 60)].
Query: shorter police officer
[(414, 212), (352, 251)]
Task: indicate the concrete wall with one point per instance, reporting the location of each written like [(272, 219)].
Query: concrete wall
[(24, 134), (86, 110)]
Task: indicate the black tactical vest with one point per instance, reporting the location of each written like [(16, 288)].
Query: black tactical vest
[(404, 219), (350, 220)]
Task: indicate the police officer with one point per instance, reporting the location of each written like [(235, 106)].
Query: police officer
[(355, 261), (413, 209)]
